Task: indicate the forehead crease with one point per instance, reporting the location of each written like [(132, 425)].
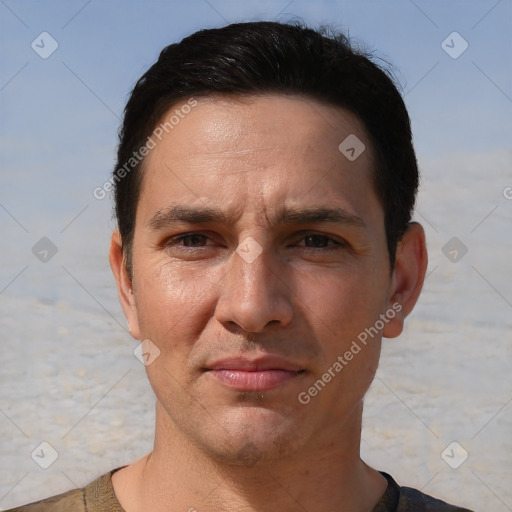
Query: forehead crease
[(201, 152), (282, 215)]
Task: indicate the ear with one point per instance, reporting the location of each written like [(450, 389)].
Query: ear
[(408, 276), (124, 283)]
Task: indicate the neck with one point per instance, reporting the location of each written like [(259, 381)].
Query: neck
[(326, 474)]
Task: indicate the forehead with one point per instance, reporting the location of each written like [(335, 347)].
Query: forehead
[(269, 150), (223, 122)]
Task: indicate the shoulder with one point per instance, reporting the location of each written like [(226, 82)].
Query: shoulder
[(406, 499), (71, 501), (98, 496), (414, 500)]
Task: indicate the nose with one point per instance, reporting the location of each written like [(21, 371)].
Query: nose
[(255, 293)]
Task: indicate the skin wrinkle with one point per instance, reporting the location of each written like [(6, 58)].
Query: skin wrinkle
[(182, 213)]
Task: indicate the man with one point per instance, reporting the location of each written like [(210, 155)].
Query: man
[(264, 189)]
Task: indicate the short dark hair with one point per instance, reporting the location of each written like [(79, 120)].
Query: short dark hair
[(255, 58)]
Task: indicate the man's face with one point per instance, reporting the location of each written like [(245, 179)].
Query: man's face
[(259, 256)]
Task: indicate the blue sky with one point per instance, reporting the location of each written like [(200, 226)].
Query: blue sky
[(60, 115)]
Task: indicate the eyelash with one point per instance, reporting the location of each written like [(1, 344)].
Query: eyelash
[(177, 240)]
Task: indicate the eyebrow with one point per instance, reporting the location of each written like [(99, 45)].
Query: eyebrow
[(186, 214), (284, 215), (313, 215)]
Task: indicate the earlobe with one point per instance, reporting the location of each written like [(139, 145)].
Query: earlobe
[(408, 277), (124, 283)]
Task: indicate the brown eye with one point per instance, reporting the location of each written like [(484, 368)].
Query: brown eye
[(188, 240), (317, 240), (193, 240)]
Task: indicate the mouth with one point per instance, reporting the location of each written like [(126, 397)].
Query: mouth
[(263, 374)]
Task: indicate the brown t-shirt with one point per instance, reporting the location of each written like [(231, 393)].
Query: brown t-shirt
[(99, 496)]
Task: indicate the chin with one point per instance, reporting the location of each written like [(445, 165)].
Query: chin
[(250, 452), (248, 436)]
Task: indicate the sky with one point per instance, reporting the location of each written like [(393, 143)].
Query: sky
[(67, 69), (59, 115)]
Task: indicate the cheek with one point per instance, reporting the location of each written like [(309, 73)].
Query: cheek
[(344, 303), (173, 304), (342, 308)]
